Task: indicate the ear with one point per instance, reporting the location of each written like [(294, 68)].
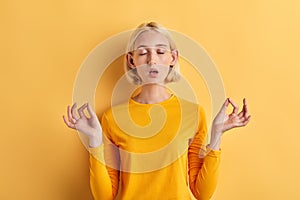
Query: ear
[(129, 59), (174, 55)]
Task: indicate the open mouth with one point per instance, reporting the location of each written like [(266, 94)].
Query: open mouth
[(153, 71)]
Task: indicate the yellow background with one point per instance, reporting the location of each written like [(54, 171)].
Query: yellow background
[(255, 45)]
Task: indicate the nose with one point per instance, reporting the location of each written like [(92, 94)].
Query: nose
[(151, 57)]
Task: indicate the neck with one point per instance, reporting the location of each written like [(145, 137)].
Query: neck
[(152, 93)]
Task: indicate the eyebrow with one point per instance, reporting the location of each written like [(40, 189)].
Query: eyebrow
[(157, 45)]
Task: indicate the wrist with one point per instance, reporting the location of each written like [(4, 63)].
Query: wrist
[(215, 141), (95, 141), (213, 146), (217, 129)]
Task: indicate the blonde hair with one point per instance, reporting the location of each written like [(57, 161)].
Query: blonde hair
[(132, 75)]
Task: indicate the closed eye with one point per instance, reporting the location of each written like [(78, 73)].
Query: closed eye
[(161, 51), (142, 52)]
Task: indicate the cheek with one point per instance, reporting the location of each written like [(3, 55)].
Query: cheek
[(166, 60), (140, 60), (164, 71)]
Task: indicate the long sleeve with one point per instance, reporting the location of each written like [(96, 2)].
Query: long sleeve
[(104, 168), (203, 171)]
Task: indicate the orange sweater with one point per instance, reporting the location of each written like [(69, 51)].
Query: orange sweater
[(151, 151)]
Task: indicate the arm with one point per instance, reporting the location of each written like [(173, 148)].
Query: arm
[(104, 179), (104, 167), (100, 182), (203, 171), (104, 174)]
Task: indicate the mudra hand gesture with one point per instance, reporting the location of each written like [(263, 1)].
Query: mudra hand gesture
[(88, 125), (224, 122)]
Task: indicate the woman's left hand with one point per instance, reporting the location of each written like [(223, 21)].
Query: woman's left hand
[(224, 122)]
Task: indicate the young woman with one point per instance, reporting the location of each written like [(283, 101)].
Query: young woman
[(158, 152)]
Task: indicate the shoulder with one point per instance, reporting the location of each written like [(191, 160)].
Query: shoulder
[(115, 109), (191, 106)]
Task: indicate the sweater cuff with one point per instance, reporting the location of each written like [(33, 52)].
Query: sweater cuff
[(214, 153), (97, 152)]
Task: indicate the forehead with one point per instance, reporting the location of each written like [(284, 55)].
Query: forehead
[(151, 39)]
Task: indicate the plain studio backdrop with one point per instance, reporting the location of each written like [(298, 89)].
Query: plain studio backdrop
[(254, 44)]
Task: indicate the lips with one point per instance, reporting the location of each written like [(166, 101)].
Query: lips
[(153, 71)]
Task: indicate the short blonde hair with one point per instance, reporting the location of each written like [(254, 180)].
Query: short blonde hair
[(132, 75)]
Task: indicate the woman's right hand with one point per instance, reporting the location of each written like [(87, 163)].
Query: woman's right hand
[(89, 126)]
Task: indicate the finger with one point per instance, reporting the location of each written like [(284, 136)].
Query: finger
[(225, 105), (245, 122), (91, 111), (73, 111), (69, 124), (70, 117), (244, 111), (247, 119), (241, 114), (235, 106), (80, 111), (245, 107)]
